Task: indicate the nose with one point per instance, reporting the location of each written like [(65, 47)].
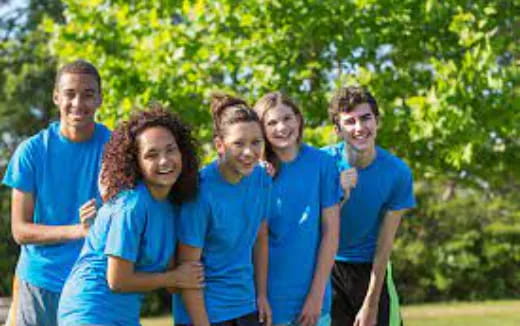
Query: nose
[(163, 159), (247, 151), (280, 126), (76, 100), (358, 125)]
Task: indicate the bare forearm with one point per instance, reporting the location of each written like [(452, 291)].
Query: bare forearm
[(384, 247), (140, 282), (326, 255), (261, 261), (195, 306), (25, 231), (327, 250), (28, 233)]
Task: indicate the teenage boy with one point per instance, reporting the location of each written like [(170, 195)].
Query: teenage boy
[(53, 176), (364, 294)]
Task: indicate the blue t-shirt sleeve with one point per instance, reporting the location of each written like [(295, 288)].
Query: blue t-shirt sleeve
[(402, 193), (330, 189), (124, 236), (193, 222), (21, 172)]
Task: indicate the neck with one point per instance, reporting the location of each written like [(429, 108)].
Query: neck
[(360, 159), (158, 192), (77, 135), (287, 154), (230, 175)]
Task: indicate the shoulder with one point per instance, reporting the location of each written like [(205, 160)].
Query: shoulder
[(102, 133), (391, 161), (335, 151), (209, 174), (135, 199), (322, 153), (261, 175), (38, 141), (313, 155)]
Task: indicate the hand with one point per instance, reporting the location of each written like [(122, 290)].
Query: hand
[(349, 179), (188, 275), (264, 310), (311, 311), (87, 212), (366, 316), (269, 168)]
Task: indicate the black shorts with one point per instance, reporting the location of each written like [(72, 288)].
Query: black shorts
[(250, 319), (350, 284)]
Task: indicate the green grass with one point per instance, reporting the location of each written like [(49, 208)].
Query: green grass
[(499, 313), (492, 313)]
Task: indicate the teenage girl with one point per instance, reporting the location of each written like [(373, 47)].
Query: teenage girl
[(149, 167), (225, 227), (303, 219)]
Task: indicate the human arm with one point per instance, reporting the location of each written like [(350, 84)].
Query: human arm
[(348, 181), (328, 246), (122, 277), (261, 261), (193, 298), (25, 231), (367, 315)]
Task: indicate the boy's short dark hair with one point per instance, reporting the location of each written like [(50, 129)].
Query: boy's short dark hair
[(345, 99), (78, 67)]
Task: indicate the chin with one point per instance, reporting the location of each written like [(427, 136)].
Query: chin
[(246, 171)]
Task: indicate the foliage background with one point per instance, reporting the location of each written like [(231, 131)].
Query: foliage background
[(446, 76)]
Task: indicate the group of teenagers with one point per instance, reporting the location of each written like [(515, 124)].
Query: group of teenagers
[(273, 232)]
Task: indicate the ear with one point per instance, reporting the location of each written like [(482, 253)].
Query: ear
[(55, 97), (336, 128), (100, 98), (219, 145)]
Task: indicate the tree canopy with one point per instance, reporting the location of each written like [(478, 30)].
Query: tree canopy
[(445, 73)]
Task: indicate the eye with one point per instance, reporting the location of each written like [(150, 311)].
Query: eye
[(172, 149), (271, 123), (366, 117), (257, 142), (238, 143), (349, 122), (150, 155)]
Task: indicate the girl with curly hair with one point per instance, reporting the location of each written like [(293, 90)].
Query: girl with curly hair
[(225, 225), (304, 223), (149, 168)]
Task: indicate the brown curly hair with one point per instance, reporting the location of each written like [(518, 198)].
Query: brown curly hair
[(120, 163), (345, 99)]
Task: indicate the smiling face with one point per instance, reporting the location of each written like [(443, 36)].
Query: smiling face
[(358, 128), (240, 148), (282, 128), (77, 96), (159, 159)]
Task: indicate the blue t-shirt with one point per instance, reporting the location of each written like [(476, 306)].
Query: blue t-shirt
[(61, 175), (384, 185), (224, 221), (133, 226), (301, 190)]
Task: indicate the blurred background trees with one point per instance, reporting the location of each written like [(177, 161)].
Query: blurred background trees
[(446, 76)]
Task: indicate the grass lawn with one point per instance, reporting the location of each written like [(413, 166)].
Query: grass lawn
[(492, 313)]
